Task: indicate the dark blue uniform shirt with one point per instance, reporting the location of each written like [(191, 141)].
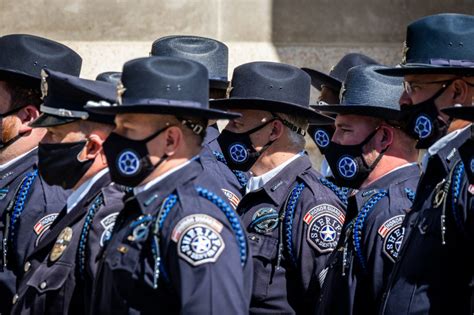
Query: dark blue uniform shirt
[(357, 272), (433, 272), (28, 206), (293, 223), (176, 249), (59, 273)]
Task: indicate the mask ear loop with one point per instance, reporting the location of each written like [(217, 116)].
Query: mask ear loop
[(379, 157), (77, 157)]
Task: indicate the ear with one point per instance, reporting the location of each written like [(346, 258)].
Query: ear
[(277, 130), (386, 137), (26, 115), (92, 148), (173, 138), (460, 92)]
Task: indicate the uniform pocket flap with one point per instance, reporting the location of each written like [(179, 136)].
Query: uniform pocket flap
[(50, 278)]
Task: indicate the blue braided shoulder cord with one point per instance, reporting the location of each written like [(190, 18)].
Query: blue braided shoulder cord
[(239, 174), (231, 216), (166, 207), (81, 250), (455, 191), (341, 192), (288, 219), (20, 201), (359, 224), (410, 194)]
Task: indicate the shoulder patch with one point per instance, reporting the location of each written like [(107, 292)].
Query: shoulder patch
[(43, 225), (392, 233), (233, 199), (198, 239), (325, 225), (108, 224)]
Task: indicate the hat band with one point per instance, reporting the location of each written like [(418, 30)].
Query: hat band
[(160, 101), (62, 112), (440, 62)]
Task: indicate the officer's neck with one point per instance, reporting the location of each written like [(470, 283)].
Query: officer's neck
[(270, 160), (386, 164)]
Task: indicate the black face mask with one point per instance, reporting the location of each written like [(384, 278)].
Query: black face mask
[(422, 121), (321, 136), (59, 164), (348, 164), (238, 148), (128, 160), (9, 142), (467, 155)]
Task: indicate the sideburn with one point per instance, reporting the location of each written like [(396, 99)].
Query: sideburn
[(10, 128)]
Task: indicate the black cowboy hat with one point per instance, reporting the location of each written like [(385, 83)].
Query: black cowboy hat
[(460, 112), (272, 87), (338, 73), (438, 44), (23, 57), (109, 76), (165, 86), (213, 54), (65, 96), (366, 92)]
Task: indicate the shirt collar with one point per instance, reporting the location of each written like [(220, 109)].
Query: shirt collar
[(439, 145), (257, 182), (13, 161), (158, 179), (82, 190)]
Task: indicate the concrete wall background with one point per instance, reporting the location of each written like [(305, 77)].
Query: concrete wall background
[(311, 33)]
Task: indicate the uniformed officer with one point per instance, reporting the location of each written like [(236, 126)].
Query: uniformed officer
[(370, 154), (434, 268), (214, 56), (466, 150), (60, 271), (330, 85), (28, 205), (178, 247), (293, 220)]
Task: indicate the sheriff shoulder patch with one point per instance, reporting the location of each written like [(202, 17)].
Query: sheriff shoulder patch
[(198, 239), (325, 224), (392, 233)]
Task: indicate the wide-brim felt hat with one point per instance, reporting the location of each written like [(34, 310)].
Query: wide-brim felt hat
[(339, 72), (65, 98), (438, 44), (23, 57), (460, 112), (272, 87), (213, 54), (109, 76), (163, 86), (366, 92)]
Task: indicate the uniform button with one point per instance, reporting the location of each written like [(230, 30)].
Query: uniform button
[(43, 285), (27, 266), (15, 299)]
